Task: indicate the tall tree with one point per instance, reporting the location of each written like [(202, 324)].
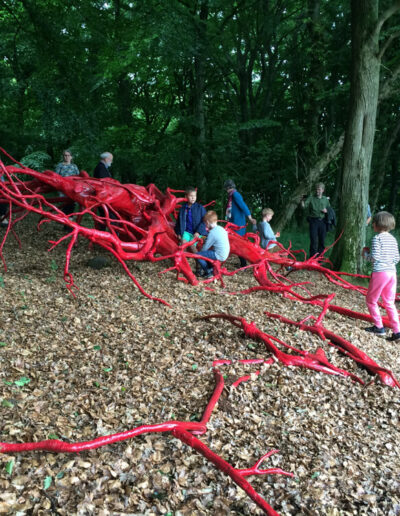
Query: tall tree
[(359, 139)]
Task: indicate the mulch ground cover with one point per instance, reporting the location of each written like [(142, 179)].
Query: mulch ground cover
[(111, 360)]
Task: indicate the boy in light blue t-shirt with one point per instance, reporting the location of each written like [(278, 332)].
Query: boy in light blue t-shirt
[(216, 245)]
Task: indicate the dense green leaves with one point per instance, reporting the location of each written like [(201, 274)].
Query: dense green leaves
[(181, 91)]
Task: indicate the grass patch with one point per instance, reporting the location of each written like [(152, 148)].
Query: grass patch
[(298, 237)]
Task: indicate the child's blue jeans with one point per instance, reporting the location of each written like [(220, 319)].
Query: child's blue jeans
[(207, 266)]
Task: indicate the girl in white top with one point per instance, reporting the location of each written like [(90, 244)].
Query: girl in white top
[(384, 256)]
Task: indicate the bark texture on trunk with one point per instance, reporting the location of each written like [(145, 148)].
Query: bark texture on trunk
[(359, 137)]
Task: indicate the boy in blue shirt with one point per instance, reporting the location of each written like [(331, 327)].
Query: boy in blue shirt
[(216, 245), (190, 224), (265, 230)]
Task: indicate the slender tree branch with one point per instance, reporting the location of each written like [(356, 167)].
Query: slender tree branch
[(387, 44), (389, 85), (11, 12), (385, 16)]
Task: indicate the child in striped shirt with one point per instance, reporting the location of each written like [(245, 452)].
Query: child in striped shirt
[(384, 256)]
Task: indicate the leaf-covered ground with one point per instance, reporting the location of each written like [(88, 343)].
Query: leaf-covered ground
[(111, 360)]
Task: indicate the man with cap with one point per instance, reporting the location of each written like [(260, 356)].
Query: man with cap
[(237, 211)]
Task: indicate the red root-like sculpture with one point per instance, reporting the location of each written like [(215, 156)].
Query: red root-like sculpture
[(317, 361), (139, 226), (139, 220), (181, 430)]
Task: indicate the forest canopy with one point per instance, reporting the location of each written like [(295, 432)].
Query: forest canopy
[(191, 92)]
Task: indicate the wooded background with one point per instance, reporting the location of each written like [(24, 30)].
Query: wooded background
[(192, 92)]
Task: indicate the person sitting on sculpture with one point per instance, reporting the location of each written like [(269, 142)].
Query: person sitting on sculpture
[(267, 236), (216, 246), (190, 224)]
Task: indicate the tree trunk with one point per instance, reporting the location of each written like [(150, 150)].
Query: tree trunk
[(359, 137), (199, 152)]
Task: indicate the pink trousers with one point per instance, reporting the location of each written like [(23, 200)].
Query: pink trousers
[(383, 284)]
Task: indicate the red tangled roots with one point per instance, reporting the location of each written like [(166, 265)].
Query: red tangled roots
[(139, 225)]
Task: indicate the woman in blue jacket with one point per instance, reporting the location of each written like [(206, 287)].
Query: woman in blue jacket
[(237, 211)]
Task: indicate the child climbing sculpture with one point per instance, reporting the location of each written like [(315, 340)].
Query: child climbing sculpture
[(216, 246), (190, 224), (264, 228)]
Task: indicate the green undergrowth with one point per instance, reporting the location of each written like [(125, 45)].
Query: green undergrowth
[(298, 238)]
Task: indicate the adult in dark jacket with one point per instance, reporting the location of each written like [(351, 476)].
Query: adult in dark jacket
[(190, 222), (237, 211), (102, 169)]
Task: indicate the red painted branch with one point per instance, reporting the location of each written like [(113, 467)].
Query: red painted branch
[(55, 445), (386, 376), (317, 361), (219, 387), (236, 475)]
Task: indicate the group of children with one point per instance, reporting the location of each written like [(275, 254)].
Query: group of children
[(194, 222)]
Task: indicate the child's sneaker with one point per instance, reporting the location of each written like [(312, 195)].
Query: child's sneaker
[(394, 337), (379, 332)]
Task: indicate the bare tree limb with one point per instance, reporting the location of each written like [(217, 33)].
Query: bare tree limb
[(387, 44), (389, 85), (313, 176), (385, 16)]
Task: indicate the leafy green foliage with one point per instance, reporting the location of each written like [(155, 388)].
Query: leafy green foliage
[(22, 381), (181, 92), (38, 160), (9, 466)]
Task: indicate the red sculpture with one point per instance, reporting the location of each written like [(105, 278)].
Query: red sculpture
[(182, 430), (139, 222)]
